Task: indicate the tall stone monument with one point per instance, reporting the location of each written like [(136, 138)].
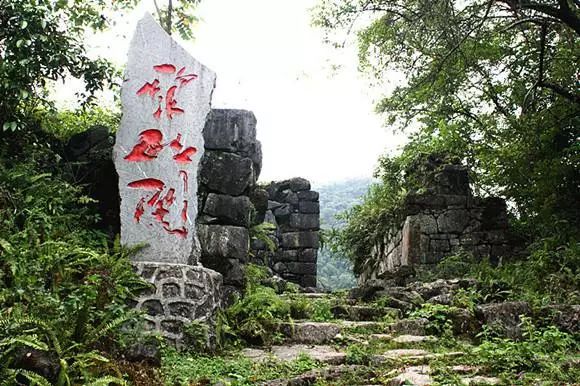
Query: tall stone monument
[(166, 97)]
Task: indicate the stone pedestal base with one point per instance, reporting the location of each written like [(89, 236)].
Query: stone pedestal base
[(181, 294)]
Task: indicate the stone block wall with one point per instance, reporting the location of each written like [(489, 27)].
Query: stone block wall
[(179, 294), (444, 220), (227, 178), (294, 210)]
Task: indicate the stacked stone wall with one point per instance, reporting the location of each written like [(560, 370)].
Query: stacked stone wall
[(444, 220), (293, 208), (227, 178)]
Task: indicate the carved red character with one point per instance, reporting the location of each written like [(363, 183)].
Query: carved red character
[(148, 147), (152, 88), (160, 204)]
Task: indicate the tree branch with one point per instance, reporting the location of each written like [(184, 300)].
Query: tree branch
[(561, 91)]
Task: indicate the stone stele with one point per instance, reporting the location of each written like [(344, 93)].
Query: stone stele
[(166, 98)]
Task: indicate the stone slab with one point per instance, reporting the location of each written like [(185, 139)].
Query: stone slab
[(166, 96)]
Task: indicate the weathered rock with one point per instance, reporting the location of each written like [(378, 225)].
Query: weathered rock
[(157, 182), (409, 339), (309, 255), (40, 362), (299, 184), (259, 198), (147, 352), (308, 195), (234, 131), (409, 327), (226, 173), (310, 332), (301, 221), (300, 240), (413, 375), (181, 294), (229, 210), (324, 354), (308, 206), (354, 312), (300, 268), (504, 317), (565, 317), (222, 241), (452, 221)]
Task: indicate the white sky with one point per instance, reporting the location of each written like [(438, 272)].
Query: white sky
[(313, 121)]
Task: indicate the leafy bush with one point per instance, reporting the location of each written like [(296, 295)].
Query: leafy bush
[(63, 290), (256, 316), (541, 350)]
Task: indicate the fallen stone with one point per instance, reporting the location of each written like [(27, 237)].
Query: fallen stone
[(504, 317)]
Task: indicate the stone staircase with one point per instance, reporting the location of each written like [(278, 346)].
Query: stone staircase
[(400, 352)]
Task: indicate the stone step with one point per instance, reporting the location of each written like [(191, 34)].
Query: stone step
[(364, 312), (415, 356), (309, 332), (410, 339), (324, 354), (329, 374), (421, 376)]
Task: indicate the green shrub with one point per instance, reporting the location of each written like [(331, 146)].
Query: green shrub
[(63, 290), (256, 316), (541, 350)]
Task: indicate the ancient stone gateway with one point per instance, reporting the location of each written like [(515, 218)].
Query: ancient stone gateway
[(166, 98)]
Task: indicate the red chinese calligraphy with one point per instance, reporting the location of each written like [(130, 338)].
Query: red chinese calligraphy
[(148, 147), (160, 204), (185, 156), (152, 88), (159, 201)]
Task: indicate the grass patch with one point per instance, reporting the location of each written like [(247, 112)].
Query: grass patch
[(233, 369)]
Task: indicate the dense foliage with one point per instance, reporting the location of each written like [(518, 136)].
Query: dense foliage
[(490, 83)]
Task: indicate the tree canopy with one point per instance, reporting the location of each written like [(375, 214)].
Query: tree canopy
[(494, 82)]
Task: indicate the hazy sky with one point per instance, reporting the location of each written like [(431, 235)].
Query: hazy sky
[(313, 121)]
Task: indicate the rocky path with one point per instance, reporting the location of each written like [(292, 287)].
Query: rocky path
[(376, 336), (369, 343)]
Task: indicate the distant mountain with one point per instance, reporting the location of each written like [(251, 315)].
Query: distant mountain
[(335, 272)]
